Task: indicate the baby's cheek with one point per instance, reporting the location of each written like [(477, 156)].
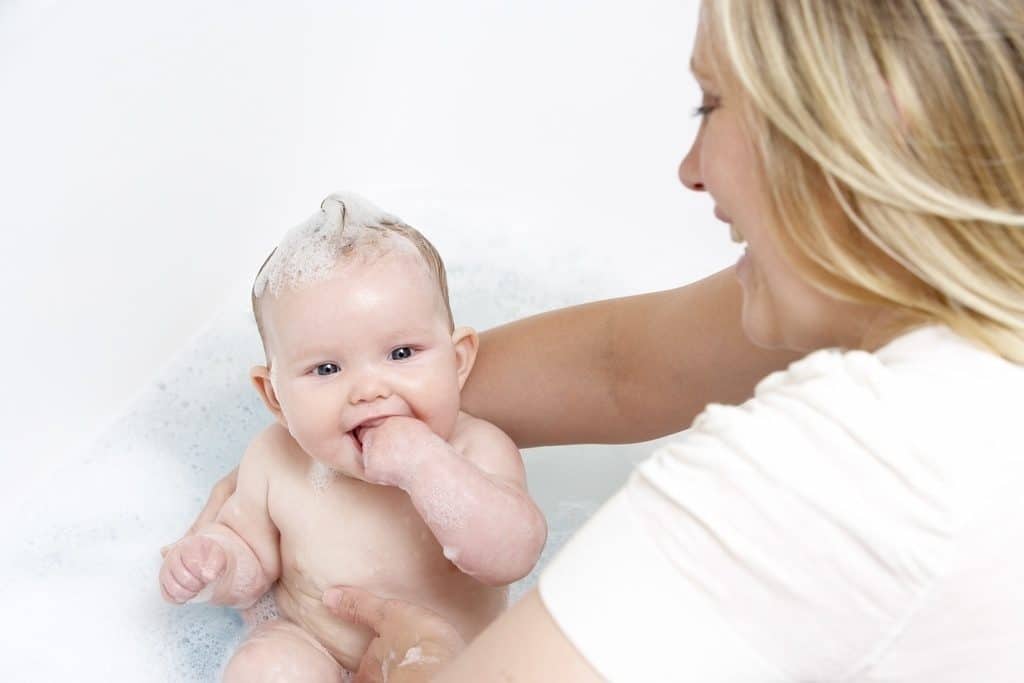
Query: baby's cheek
[(442, 420), (315, 441), (340, 452)]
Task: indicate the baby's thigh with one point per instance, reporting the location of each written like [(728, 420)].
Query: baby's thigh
[(278, 651)]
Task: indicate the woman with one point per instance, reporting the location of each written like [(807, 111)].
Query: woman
[(858, 518)]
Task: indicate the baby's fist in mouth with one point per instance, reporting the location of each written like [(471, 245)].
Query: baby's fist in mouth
[(393, 449)]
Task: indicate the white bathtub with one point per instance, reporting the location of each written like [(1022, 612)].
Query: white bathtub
[(152, 154), (82, 556)]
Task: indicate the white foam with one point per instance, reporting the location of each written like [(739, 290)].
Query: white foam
[(321, 476), (443, 512), (310, 250), (203, 596), (87, 548), (262, 611), (385, 664), (415, 656)]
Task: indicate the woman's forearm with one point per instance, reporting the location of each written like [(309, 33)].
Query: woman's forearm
[(619, 370)]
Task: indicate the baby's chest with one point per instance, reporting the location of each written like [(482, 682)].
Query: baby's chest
[(350, 532)]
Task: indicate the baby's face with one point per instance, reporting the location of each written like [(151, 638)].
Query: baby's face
[(369, 342)]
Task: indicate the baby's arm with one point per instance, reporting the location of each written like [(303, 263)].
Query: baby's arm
[(471, 493), (233, 560)]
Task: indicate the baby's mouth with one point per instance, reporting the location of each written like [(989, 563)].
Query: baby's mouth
[(360, 429)]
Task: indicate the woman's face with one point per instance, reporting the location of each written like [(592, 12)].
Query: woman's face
[(781, 309)]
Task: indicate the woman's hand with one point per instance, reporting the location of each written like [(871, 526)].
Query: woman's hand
[(412, 645), (222, 490)]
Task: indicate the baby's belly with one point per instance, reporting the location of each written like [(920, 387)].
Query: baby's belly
[(346, 642), (466, 603), (371, 537)]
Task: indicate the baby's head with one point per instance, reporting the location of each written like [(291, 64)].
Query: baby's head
[(346, 228), (353, 311)]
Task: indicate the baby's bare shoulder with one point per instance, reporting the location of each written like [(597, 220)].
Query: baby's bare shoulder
[(487, 446), (473, 429), (271, 449)]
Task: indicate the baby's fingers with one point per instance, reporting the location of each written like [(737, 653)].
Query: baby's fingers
[(171, 589), (203, 558), (185, 578)]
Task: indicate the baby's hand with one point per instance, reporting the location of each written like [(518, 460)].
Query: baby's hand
[(191, 565), (393, 449)]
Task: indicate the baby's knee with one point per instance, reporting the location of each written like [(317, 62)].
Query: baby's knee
[(280, 652)]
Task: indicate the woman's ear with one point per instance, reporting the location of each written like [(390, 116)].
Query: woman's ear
[(260, 376), (466, 343)]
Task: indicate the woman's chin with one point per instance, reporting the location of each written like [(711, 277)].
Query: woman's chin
[(753, 324)]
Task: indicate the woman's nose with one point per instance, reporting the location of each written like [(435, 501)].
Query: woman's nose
[(689, 168)]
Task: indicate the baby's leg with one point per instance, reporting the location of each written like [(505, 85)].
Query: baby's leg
[(279, 651)]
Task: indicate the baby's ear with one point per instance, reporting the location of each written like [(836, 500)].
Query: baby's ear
[(466, 343), (260, 376)]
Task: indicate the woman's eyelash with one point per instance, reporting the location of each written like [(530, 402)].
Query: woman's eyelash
[(703, 110)]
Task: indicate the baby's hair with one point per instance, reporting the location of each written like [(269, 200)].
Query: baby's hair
[(346, 227), (891, 135)]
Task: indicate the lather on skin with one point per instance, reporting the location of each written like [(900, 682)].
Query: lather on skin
[(371, 474)]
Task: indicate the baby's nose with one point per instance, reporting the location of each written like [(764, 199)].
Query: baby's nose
[(368, 386)]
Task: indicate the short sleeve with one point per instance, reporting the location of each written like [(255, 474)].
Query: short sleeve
[(789, 538), (618, 599)]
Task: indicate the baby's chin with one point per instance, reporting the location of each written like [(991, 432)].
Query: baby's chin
[(344, 456)]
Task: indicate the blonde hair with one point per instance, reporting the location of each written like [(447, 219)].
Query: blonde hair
[(384, 229), (906, 120)]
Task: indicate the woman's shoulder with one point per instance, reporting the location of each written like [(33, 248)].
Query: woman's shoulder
[(929, 408), (927, 372), (847, 474)]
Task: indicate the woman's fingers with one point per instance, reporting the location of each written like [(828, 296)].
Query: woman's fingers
[(412, 642), (374, 667), (387, 616), (359, 607)]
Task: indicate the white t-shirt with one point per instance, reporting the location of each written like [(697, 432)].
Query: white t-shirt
[(860, 519)]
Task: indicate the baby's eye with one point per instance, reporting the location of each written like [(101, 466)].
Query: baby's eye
[(402, 353), (327, 369)]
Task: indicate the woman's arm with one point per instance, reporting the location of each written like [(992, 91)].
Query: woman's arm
[(415, 645), (614, 371), (620, 370)]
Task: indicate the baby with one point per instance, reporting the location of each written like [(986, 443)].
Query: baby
[(371, 476)]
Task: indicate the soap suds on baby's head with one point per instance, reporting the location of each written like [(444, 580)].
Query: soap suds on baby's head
[(345, 224)]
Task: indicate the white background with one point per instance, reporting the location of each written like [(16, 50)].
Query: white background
[(152, 154)]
